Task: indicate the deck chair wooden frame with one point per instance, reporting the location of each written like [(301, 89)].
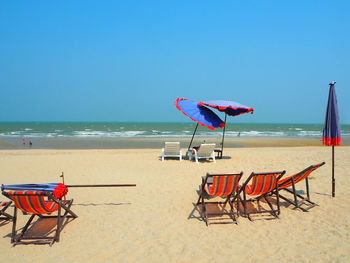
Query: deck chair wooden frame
[(205, 151), (171, 149), (263, 184), (51, 205), (291, 181), (3, 214), (222, 185)]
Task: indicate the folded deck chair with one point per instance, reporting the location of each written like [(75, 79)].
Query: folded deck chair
[(262, 184), (291, 181), (3, 214), (171, 149), (38, 203), (219, 185), (205, 151)]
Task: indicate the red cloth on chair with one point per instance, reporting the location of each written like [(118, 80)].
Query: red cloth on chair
[(60, 190)]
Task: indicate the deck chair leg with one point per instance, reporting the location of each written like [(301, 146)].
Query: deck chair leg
[(58, 230), (294, 193), (14, 222), (66, 208), (25, 228), (271, 207), (278, 200), (204, 212), (307, 188), (245, 206), (2, 212)]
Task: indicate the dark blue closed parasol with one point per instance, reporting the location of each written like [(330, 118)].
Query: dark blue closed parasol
[(331, 130)]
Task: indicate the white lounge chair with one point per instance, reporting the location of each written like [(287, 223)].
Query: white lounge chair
[(171, 149), (205, 151)]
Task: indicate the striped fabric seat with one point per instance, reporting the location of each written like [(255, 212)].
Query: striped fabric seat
[(262, 184), (288, 185), (287, 182), (219, 185), (222, 185), (42, 204), (32, 202)]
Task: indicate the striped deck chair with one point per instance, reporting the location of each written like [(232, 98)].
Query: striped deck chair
[(262, 185), (219, 185), (291, 181), (38, 203), (3, 214)]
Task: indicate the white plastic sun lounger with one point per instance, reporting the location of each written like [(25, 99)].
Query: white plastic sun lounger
[(205, 151), (171, 149)]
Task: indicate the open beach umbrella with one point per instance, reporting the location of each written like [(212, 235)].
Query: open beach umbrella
[(230, 108), (200, 114), (331, 130)]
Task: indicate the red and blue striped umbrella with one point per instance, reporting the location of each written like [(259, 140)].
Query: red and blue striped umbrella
[(200, 114), (331, 130), (230, 108)]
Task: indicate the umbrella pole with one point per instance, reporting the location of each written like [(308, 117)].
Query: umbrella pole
[(333, 179), (189, 146), (223, 137)]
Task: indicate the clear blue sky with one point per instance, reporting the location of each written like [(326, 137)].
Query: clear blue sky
[(130, 60)]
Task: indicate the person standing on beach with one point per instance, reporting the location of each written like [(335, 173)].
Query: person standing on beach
[(24, 142), (30, 143)]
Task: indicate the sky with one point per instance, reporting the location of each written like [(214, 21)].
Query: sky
[(130, 60)]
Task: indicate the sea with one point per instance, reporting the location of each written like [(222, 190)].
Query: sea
[(155, 130)]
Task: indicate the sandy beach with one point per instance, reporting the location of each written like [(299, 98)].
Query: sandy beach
[(157, 220)]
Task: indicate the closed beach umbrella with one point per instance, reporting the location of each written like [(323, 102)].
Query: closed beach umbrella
[(200, 114), (331, 130), (230, 108)]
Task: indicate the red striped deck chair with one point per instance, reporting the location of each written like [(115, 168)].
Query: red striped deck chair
[(3, 214), (291, 181), (41, 204), (219, 185), (262, 184)]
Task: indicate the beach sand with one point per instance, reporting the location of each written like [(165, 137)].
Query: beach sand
[(156, 221)]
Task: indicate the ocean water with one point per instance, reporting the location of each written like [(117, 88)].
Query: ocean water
[(155, 130)]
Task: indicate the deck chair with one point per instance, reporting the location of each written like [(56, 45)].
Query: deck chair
[(171, 149), (38, 203), (291, 181), (261, 186), (205, 151), (3, 214), (219, 185)]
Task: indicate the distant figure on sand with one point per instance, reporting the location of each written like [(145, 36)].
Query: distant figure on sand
[(239, 134), (24, 142), (30, 144)]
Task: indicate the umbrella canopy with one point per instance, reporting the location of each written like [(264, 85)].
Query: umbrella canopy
[(231, 108), (331, 130), (200, 114)]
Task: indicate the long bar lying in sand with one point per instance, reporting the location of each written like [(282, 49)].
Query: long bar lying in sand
[(157, 221)]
